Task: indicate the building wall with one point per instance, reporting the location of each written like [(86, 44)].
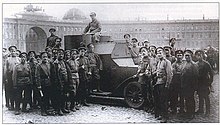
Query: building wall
[(189, 33)]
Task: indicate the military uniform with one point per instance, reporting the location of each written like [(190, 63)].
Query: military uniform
[(95, 66), (63, 85), (144, 78), (189, 80), (94, 28), (176, 84), (84, 69), (51, 39), (44, 83), (204, 83), (22, 82), (74, 65), (164, 77), (11, 62)]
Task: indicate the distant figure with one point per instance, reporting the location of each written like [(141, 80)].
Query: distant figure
[(51, 40), (93, 28)]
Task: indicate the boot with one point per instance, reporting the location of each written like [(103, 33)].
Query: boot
[(60, 113), (85, 103)]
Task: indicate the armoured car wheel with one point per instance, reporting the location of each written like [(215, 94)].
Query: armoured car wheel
[(133, 95)]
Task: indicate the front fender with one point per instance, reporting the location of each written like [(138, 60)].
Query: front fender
[(119, 90)]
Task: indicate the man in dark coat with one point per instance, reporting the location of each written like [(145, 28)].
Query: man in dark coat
[(43, 83), (205, 81), (95, 65), (63, 84), (51, 39), (84, 74), (189, 83)]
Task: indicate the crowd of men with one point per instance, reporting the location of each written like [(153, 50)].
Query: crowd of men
[(170, 77), (59, 81), (55, 79)]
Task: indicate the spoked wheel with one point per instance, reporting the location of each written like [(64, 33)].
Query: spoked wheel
[(133, 95)]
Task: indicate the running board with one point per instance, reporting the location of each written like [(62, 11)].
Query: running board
[(106, 97)]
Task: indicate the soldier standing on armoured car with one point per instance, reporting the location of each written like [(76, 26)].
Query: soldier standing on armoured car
[(93, 28), (11, 62), (95, 66), (175, 86), (205, 81), (189, 83), (84, 74), (164, 76), (63, 84), (51, 39), (22, 82), (44, 81)]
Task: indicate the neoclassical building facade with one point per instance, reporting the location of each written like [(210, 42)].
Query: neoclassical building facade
[(28, 30)]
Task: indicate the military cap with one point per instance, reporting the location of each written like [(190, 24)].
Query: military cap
[(60, 50), (31, 52), (179, 52), (42, 54), (38, 56), (19, 51), (199, 52), (58, 38), (92, 14), (135, 39), (47, 48), (188, 51), (167, 47), (72, 50), (52, 29), (89, 45), (9, 48), (80, 48), (159, 48), (55, 50), (146, 41), (67, 51), (142, 48), (153, 47), (23, 53), (127, 35)]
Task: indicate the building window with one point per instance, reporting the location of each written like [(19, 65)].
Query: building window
[(210, 35), (162, 28), (139, 29), (192, 35), (200, 35), (177, 28), (64, 28), (178, 35), (183, 28), (135, 29)]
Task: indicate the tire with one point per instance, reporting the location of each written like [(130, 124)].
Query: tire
[(133, 95)]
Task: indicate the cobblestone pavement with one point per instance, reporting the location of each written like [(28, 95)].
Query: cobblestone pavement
[(97, 113)]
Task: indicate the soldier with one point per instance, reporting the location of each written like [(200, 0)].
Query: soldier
[(54, 55), (171, 58), (95, 65), (43, 83), (31, 54), (146, 43), (164, 77), (63, 85), (176, 83), (11, 62), (33, 65), (205, 81), (134, 49), (127, 38), (93, 28), (84, 73), (4, 59), (143, 74), (51, 39), (21, 82), (189, 81), (73, 63), (49, 51), (67, 55)]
